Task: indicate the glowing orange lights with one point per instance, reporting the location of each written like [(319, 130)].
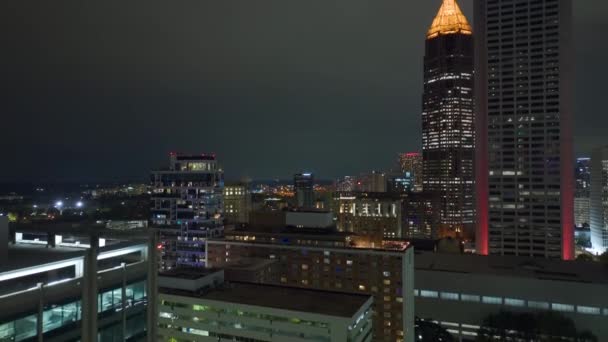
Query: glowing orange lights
[(449, 20)]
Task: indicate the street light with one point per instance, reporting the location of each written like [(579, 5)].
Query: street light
[(79, 204)]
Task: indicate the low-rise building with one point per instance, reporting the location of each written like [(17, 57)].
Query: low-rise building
[(202, 307), (69, 282), (459, 291), (334, 261)]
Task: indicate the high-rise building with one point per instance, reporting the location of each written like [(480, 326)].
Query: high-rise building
[(599, 199), (346, 183), (448, 141), (304, 187), (187, 207), (524, 173), (237, 203), (582, 196), (411, 166)]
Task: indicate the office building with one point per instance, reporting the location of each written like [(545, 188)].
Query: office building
[(304, 187), (599, 199), (582, 195), (69, 282), (524, 173), (334, 262), (411, 167), (460, 291), (447, 120), (187, 207), (373, 214), (237, 203), (420, 219), (374, 181), (203, 307)]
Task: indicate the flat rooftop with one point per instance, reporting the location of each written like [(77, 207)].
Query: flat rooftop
[(513, 266), (286, 298), (188, 273)]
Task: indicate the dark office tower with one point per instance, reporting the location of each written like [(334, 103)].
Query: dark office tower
[(303, 184), (582, 195), (524, 173), (448, 141)]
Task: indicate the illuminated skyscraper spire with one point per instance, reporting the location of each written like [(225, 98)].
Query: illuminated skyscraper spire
[(449, 20)]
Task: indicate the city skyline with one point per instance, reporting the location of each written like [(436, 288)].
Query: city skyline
[(92, 108)]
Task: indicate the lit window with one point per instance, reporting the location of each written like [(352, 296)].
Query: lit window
[(349, 262), (449, 295), (386, 273), (304, 266), (386, 282), (589, 310), (514, 302), (491, 300), (469, 298), (362, 287), (429, 294), (562, 307)]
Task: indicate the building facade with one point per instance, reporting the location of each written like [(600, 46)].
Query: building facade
[(304, 187), (460, 291), (336, 263), (524, 174), (582, 196), (237, 311), (411, 166), (237, 203), (599, 200), (187, 207), (372, 214), (75, 282), (448, 140)]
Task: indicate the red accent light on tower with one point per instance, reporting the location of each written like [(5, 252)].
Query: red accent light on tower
[(412, 154), (159, 246)]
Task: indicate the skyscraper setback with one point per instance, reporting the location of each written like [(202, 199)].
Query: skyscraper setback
[(524, 158), (448, 141)]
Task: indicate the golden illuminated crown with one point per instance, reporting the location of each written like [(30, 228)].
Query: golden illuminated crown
[(449, 20)]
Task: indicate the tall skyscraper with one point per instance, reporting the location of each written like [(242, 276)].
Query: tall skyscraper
[(599, 199), (582, 196), (411, 166), (448, 141), (524, 174), (187, 207), (303, 184)]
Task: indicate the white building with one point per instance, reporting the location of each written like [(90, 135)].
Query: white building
[(197, 306), (599, 200)]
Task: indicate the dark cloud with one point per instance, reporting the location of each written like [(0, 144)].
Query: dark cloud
[(105, 89)]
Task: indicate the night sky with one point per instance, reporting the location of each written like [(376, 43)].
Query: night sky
[(104, 90)]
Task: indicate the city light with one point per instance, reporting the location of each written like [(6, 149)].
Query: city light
[(58, 204), (79, 204)]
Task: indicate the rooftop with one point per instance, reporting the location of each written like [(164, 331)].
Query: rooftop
[(513, 266), (286, 298), (449, 20)]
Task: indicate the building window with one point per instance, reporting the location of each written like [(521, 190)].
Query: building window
[(514, 302), (562, 307), (429, 294), (449, 295), (589, 310), (469, 298), (538, 305), (491, 300)]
